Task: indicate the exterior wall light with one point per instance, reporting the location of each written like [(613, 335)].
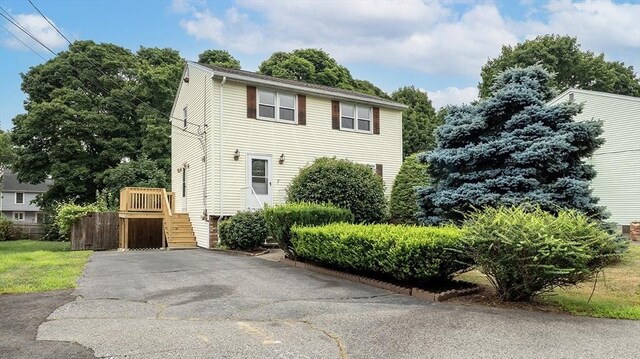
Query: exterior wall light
[(281, 161), (236, 155)]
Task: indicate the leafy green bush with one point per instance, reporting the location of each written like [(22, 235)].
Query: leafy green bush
[(344, 184), (281, 218), (525, 251), (403, 204), (244, 231), (405, 253), (9, 232)]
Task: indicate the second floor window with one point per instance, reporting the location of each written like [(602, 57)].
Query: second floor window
[(355, 118), (19, 198), (276, 106)]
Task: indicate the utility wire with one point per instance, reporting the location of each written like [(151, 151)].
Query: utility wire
[(50, 23), (23, 43), (16, 24)]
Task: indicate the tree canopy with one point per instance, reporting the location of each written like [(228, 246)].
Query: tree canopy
[(418, 121), (219, 58), (572, 66), (317, 67), (509, 149), (7, 153), (89, 108)]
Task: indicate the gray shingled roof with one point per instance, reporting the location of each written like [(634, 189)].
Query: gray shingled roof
[(10, 183), (311, 87)]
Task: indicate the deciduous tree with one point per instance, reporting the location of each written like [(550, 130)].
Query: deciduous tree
[(418, 121)]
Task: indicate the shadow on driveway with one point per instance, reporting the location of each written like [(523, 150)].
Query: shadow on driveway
[(20, 316)]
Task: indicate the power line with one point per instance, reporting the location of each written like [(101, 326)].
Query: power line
[(17, 24), (50, 23), (23, 43)]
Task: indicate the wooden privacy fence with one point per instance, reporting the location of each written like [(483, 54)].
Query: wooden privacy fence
[(34, 231), (96, 231)]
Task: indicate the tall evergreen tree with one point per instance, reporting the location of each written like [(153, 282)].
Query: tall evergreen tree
[(418, 121), (511, 148)]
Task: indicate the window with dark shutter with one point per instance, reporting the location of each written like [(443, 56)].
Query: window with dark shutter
[(379, 169), (376, 121), (251, 102), (302, 110), (335, 115)]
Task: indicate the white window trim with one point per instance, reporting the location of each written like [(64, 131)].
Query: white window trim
[(277, 106), (355, 118), (17, 219), (16, 198)]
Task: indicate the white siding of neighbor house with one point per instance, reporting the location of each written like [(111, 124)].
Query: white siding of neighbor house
[(187, 148), (300, 145), (9, 202), (618, 160)]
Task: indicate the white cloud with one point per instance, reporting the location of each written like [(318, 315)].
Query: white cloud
[(600, 26), (430, 36), (39, 28), (420, 35), (452, 96)]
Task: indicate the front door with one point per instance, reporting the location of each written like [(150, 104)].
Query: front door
[(259, 176), (184, 190)]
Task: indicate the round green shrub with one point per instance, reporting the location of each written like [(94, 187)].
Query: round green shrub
[(403, 204), (9, 232), (344, 184), (244, 231), (525, 251)]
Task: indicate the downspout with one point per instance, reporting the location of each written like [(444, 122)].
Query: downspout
[(220, 192)]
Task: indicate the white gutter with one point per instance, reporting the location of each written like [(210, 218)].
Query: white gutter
[(305, 89), (220, 192)]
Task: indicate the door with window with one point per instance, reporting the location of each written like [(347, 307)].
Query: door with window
[(259, 175)]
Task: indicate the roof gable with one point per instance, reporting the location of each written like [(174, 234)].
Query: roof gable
[(10, 183)]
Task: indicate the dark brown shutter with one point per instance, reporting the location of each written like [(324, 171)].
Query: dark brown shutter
[(251, 102), (376, 124), (379, 169), (335, 115), (302, 110)]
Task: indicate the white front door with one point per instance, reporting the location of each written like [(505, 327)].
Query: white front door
[(184, 190), (259, 191)]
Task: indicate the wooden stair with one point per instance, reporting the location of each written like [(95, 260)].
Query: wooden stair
[(181, 235)]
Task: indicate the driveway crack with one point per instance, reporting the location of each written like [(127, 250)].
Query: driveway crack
[(341, 349)]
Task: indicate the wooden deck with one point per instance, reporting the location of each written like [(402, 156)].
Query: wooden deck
[(154, 203)]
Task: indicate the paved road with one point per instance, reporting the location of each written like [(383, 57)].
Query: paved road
[(201, 304), (20, 316)]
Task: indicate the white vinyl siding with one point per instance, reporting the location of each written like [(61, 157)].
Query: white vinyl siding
[(188, 149), (299, 144), (617, 162)]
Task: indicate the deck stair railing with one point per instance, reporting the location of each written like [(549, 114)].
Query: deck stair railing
[(150, 200)]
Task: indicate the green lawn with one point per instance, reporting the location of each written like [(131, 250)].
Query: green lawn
[(37, 266), (617, 294)]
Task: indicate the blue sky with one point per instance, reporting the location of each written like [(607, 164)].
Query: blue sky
[(438, 46)]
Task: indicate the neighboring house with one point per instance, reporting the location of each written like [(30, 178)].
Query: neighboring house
[(239, 138), (16, 199), (617, 162)]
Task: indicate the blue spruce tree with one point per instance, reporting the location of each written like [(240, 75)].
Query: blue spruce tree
[(509, 149)]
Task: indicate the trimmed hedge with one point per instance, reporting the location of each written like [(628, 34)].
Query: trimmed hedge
[(405, 253), (344, 184), (525, 251), (403, 204), (281, 218), (244, 231)]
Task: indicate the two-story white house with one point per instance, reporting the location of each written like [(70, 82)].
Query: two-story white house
[(238, 138), (16, 200), (617, 162)]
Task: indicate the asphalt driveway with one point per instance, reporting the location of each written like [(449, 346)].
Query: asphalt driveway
[(201, 304)]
